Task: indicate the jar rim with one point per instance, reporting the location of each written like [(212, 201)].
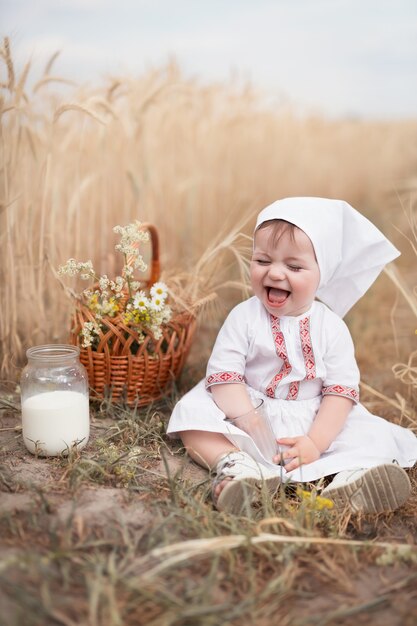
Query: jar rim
[(55, 352)]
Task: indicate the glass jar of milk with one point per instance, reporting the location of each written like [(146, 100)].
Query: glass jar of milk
[(54, 394)]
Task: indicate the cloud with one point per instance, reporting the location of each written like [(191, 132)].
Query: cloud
[(334, 55)]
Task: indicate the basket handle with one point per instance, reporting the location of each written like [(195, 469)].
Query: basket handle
[(155, 263)]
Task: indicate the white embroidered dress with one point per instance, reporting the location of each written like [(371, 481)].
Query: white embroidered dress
[(290, 363)]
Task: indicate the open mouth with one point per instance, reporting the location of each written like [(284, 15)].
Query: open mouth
[(276, 297)]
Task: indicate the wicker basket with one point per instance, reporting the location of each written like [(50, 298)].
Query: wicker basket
[(114, 372)]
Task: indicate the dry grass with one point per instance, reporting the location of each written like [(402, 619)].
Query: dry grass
[(160, 148), (125, 533), (153, 551)]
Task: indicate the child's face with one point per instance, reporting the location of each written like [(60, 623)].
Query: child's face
[(284, 276)]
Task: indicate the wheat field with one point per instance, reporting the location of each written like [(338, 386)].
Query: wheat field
[(194, 159)]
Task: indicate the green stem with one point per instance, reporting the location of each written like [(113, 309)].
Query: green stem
[(127, 277)]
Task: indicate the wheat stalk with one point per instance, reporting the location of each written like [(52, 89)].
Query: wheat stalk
[(9, 64), (185, 551), (46, 80), (50, 62), (394, 274), (198, 161), (80, 109)]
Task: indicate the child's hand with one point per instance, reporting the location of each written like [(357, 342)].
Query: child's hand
[(302, 451)]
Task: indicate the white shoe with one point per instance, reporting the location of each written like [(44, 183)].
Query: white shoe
[(245, 478), (381, 488)]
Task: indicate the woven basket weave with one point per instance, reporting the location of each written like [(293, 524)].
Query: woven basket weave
[(114, 372)]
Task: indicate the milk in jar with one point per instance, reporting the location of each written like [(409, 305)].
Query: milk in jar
[(55, 401)]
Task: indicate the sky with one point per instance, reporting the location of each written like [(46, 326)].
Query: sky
[(337, 58)]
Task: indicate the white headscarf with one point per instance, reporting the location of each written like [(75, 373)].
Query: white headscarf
[(350, 250)]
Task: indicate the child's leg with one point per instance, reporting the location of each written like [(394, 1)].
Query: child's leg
[(237, 476), (206, 448)]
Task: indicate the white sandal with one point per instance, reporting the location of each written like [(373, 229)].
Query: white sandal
[(245, 479)]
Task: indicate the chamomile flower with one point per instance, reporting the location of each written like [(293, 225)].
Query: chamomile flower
[(122, 298), (140, 301), (159, 290), (157, 303)]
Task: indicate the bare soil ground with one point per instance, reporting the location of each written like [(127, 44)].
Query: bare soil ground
[(82, 542)]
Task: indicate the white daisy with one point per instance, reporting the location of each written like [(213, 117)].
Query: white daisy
[(140, 301), (159, 290), (157, 303)]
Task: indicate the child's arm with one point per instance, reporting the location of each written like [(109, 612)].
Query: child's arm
[(328, 423), (233, 399)]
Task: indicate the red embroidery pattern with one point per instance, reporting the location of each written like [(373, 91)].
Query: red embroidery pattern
[(224, 377), (307, 349), (341, 390), (293, 391), (281, 351)]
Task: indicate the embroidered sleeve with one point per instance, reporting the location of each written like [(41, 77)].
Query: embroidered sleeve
[(228, 358), (219, 378), (342, 373), (341, 390)]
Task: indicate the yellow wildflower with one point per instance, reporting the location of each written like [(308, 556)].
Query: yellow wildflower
[(314, 500)]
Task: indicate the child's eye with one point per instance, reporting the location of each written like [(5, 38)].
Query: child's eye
[(294, 268), (261, 261)]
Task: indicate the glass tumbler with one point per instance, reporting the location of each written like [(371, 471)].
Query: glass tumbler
[(256, 423), (55, 400)]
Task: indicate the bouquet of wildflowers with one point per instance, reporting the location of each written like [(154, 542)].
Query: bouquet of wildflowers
[(122, 298)]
